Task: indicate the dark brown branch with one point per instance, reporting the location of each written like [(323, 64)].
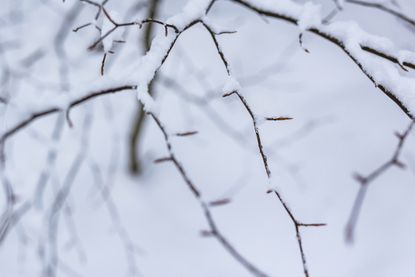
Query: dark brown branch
[(103, 64), (300, 40), (225, 33), (214, 230), (210, 6), (297, 224), (81, 27), (185, 134), (219, 202), (215, 41), (162, 160), (258, 136), (139, 117), (365, 181), (132, 23), (138, 123), (279, 118)]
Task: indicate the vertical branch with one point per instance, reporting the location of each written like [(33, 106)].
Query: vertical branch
[(51, 159), (59, 202), (214, 230), (138, 122), (297, 223), (105, 190)]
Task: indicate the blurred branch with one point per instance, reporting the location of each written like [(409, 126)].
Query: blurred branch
[(10, 215), (36, 115), (264, 159), (129, 246), (384, 8), (59, 202), (365, 181), (138, 121)]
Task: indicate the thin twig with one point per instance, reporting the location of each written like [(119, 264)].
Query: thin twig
[(214, 230), (365, 181), (384, 8), (296, 223)]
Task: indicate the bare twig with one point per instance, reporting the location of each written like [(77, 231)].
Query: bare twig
[(383, 8), (55, 210), (104, 187), (139, 118), (296, 223), (132, 23), (6, 135), (214, 230), (365, 181)]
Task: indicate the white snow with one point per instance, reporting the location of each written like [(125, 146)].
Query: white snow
[(193, 10), (231, 84), (384, 72), (312, 169), (310, 16), (107, 25)]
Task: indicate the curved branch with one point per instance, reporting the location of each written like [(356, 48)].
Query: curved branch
[(383, 8), (365, 181), (295, 221), (214, 230), (325, 32), (34, 116)]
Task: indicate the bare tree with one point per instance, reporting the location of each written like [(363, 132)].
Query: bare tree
[(61, 61)]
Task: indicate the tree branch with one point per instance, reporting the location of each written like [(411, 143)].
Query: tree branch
[(365, 181), (214, 230), (334, 38)]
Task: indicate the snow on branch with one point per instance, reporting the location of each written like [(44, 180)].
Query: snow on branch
[(62, 104), (162, 45), (384, 8), (232, 87), (377, 57)]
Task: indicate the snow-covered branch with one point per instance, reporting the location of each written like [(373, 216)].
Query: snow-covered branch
[(377, 57)]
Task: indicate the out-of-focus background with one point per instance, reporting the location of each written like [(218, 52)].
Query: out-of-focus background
[(116, 223)]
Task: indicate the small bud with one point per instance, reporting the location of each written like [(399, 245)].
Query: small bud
[(220, 202), (359, 178), (206, 233), (280, 118), (399, 164), (161, 160), (185, 134)]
